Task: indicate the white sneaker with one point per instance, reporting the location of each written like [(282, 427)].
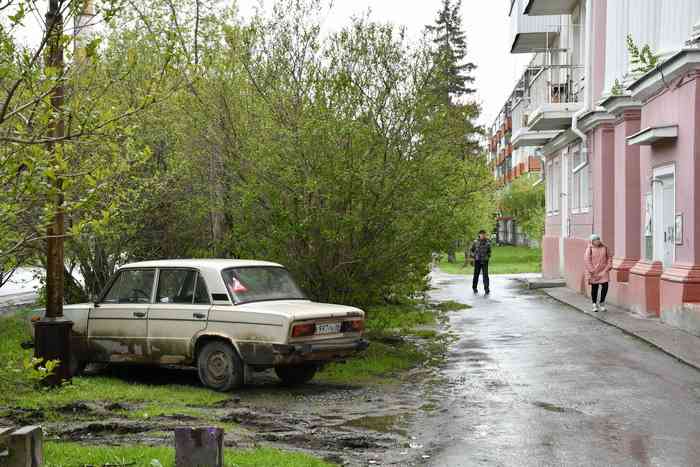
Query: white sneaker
[(602, 307), (595, 308)]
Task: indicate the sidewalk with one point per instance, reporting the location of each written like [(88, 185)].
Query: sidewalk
[(676, 343)]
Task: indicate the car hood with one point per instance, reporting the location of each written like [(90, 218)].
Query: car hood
[(302, 309)]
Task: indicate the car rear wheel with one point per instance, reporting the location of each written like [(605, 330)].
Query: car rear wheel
[(220, 367), (294, 375)]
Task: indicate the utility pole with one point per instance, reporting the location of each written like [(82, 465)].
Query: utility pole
[(53, 332)]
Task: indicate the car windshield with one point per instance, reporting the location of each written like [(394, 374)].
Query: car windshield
[(261, 283)]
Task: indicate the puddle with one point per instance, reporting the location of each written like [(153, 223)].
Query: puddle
[(554, 408), (381, 423)]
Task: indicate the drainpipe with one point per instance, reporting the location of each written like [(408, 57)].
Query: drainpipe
[(587, 78)]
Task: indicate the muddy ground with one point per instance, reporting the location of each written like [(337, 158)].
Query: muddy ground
[(346, 424)]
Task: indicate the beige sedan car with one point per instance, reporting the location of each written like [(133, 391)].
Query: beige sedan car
[(226, 317)]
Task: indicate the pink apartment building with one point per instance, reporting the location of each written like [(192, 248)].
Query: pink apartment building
[(620, 150)]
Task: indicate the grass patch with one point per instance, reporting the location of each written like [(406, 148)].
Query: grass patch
[(426, 334), (379, 363), (17, 390), (389, 353), (451, 306), (72, 454), (403, 318), (504, 260)]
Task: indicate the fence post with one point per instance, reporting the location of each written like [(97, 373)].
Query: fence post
[(26, 447), (199, 447)]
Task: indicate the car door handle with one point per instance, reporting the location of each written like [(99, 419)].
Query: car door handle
[(199, 315), (140, 314)]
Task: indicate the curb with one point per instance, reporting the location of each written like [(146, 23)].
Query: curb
[(601, 317)]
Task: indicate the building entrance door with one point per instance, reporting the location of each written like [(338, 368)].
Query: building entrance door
[(664, 215)]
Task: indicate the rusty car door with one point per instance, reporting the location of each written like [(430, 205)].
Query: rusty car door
[(118, 324), (180, 311)]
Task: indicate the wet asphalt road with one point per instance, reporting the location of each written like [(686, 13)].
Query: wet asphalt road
[(532, 382)]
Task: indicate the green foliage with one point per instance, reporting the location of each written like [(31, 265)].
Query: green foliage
[(59, 454), (617, 88), (524, 200), (643, 60), (209, 135), (450, 51), (403, 318)]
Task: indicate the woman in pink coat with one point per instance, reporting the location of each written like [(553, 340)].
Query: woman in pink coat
[(598, 263)]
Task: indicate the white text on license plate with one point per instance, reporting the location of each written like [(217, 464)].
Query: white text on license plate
[(328, 328)]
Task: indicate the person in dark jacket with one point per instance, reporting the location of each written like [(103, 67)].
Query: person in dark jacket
[(480, 254)]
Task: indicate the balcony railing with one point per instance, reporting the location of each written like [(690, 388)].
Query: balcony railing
[(556, 84)]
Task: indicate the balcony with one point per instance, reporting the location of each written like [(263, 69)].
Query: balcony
[(549, 7), (555, 95), (532, 33), (526, 138), (533, 164)]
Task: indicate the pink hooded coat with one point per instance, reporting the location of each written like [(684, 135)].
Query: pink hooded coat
[(598, 264)]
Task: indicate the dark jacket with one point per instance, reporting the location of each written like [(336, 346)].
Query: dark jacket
[(481, 250)]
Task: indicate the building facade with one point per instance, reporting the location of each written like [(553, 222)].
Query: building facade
[(620, 145), (509, 163)]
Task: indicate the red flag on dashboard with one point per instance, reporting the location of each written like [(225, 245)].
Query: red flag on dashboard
[(238, 287)]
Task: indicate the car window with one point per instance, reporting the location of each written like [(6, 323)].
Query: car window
[(176, 286), (132, 286), (253, 284), (201, 295)]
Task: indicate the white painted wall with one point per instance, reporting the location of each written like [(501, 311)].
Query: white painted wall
[(663, 24)]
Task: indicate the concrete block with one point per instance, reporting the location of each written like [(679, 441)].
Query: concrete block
[(26, 447), (199, 447), (685, 317)]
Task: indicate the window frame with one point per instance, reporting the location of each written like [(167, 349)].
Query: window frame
[(206, 290), (175, 268), (578, 172), (115, 278), (235, 302)]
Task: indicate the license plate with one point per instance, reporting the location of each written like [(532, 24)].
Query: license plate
[(328, 328)]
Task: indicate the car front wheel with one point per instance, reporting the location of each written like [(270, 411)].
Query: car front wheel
[(220, 367), (296, 374)]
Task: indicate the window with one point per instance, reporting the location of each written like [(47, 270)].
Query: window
[(201, 296), (261, 283), (176, 286), (580, 193), (553, 187), (131, 286)]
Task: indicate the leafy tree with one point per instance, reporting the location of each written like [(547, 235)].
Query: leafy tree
[(450, 52), (524, 200), (64, 131), (453, 77)]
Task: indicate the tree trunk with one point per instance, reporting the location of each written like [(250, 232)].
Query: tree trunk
[(56, 231), (217, 197), (452, 252)]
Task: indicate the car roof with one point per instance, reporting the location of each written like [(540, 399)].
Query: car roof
[(217, 264)]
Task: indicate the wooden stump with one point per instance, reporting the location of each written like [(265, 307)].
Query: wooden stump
[(199, 447), (25, 447)]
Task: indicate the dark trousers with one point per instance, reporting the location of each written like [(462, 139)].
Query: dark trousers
[(603, 292), (481, 267)]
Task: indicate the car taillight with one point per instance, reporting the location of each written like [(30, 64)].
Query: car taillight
[(303, 330), (357, 325)]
